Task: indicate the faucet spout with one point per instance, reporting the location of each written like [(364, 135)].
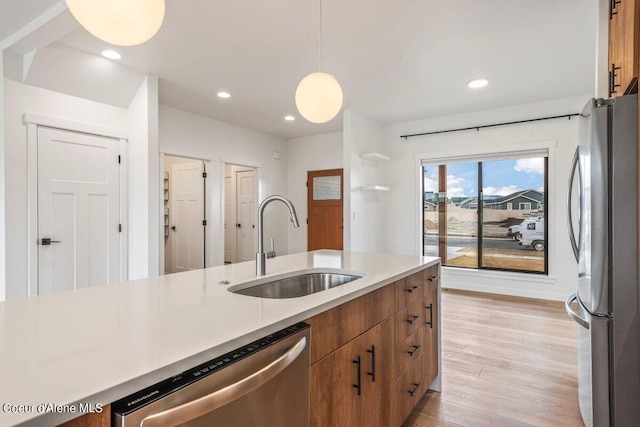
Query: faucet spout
[(261, 257)]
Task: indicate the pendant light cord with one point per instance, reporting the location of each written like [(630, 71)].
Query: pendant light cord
[(320, 61)]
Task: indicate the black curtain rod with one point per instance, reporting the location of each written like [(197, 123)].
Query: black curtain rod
[(491, 126)]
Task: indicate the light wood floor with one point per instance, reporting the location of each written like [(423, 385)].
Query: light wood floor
[(506, 361)]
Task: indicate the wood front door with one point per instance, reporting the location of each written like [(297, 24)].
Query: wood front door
[(324, 204)]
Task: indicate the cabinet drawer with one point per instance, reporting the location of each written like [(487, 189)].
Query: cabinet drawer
[(410, 387), (409, 351), (335, 327), (409, 289), (431, 277), (409, 319)]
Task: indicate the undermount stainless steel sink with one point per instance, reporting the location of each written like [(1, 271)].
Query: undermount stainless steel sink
[(297, 286)]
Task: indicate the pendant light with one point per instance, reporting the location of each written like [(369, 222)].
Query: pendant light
[(119, 22), (319, 95)]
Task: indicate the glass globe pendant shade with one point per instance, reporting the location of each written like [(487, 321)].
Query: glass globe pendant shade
[(119, 22), (319, 97)]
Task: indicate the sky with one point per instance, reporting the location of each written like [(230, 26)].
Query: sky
[(500, 177)]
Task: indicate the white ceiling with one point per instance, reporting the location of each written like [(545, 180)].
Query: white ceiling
[(396, 60)]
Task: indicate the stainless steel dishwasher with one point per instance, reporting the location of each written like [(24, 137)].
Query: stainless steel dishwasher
[(265, 383)]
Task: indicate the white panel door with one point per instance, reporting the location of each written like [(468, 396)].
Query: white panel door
[(230, 255), (246, 215), (187, 205), (78, 210)]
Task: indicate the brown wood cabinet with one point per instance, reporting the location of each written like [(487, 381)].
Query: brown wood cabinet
[(394, 328), (353, 385), (624, 46), (102, 419), (431, 286)]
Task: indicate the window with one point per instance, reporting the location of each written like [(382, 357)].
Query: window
[(481, 214)]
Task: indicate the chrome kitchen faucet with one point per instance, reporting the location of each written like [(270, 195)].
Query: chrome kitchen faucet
[(261, 257)]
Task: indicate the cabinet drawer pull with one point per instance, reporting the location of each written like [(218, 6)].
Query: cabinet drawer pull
[(411, 321), (434, 278), (412, 290), (415, 348), (358, 384), (416, 386), (430, 322), (372, 374)]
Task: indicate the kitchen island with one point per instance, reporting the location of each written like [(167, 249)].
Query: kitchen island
[(97, 345)]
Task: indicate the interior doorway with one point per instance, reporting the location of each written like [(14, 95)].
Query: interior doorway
[(324, 204), (184, 214), (239, 213)]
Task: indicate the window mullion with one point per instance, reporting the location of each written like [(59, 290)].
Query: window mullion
[(480, 215)]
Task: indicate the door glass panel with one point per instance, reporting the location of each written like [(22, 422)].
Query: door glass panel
[(326, 187)]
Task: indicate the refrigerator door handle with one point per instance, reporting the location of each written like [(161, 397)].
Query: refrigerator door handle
[(575, 165), (579, 320)]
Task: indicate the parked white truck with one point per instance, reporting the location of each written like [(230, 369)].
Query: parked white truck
[(532, 233)]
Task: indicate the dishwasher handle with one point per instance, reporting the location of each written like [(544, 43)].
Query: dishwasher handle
[(575, 316), (205, 404)]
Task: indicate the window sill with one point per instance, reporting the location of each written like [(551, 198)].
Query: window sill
[(500, 275)]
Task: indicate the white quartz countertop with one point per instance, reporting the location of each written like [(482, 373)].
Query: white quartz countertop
[(100, 344)]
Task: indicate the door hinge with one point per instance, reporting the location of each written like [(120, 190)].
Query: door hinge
[(204, 174), (204, 222), (119, 228), (307, 221), (119, 159), (307, 183)]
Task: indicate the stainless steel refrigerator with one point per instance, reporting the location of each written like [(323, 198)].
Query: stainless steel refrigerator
[(602, 206)]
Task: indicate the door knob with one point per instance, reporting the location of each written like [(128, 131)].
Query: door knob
[(46, 241), (238, 225)]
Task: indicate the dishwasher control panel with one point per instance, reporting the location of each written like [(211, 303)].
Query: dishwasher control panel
[(151, 394)]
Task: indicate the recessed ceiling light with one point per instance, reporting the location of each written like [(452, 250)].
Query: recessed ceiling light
[(224, 94), (477, 83), (289, 118), (111, 54)]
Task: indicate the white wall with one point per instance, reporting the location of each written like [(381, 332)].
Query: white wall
[(20, 99), (306, 154), (144, 182), (2, 185), (403, 232), (364, 214), (191, 135)]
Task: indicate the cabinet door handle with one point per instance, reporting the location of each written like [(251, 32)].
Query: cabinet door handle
[(613, 8), (430, 322), (412, 290), (612, 79), (415, 348), (358, 384), (372, 351), (434, 278), (411, 321), (416, 386)]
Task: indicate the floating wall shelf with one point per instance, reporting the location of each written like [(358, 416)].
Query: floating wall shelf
[(375, 157), (375, 188)]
